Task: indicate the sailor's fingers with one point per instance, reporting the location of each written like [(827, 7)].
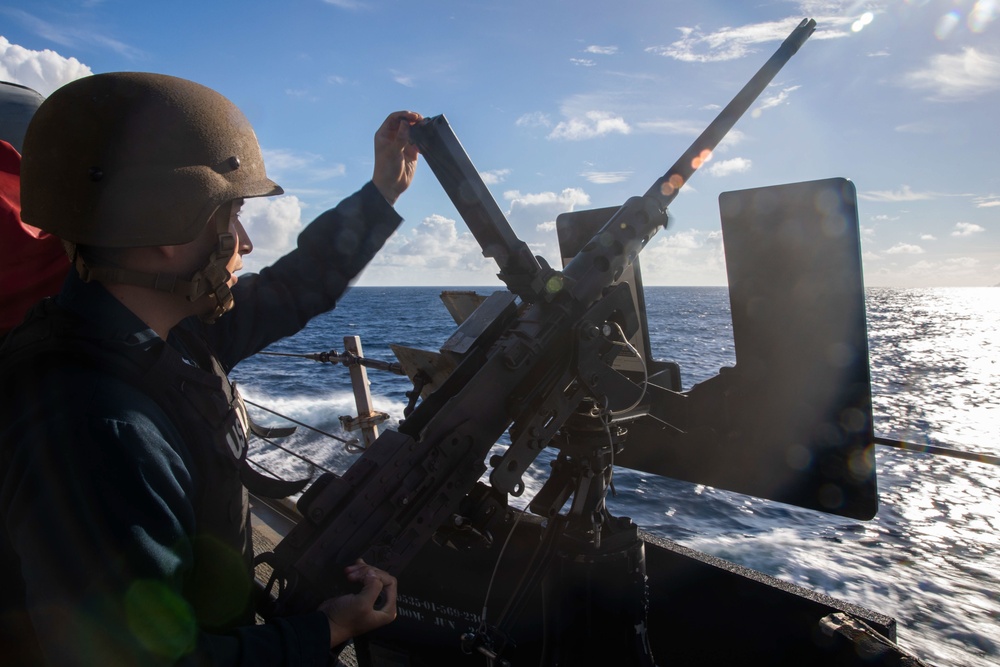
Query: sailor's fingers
[(395, 156)]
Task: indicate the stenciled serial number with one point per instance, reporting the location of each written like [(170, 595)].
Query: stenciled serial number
[(428, 611)]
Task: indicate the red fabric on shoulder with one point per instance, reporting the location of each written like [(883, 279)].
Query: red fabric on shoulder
[(32, 262)]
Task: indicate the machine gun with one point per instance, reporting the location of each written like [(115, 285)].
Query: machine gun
[(540, 360)]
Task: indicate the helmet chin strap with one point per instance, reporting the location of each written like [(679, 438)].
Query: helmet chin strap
[(212, 279), (215, 277)]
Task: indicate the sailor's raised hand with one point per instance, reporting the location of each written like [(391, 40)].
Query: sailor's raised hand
[(395, 156)]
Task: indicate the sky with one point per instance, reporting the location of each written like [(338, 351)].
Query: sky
[(568, 105)]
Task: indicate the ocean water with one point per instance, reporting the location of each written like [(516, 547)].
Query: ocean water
[(930, 558)]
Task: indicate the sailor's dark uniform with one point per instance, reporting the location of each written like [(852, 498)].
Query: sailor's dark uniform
[(125, 533)]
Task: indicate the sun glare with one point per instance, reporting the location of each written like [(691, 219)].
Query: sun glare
[(983, 13), (672, 185), (860, 24), (701, 158), (947, 24)]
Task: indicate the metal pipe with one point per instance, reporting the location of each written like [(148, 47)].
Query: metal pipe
[(940, 451)]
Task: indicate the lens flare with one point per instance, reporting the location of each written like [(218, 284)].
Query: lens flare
[(864, 20), (983, 13), (672, 185), (701, 159), (947, 24)]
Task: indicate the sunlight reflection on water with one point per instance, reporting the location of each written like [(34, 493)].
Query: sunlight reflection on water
[(935, 368)]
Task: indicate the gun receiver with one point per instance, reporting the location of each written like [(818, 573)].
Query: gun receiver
[(528, 374)]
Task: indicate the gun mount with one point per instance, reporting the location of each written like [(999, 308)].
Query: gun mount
[(545, 362)]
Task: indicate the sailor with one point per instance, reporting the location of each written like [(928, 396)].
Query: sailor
[(123, 476)]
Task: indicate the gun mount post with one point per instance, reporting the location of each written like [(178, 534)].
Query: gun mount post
[(595, 583)]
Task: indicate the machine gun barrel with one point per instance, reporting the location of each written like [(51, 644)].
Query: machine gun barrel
[(409, 482), (631, 227), (667, 186)]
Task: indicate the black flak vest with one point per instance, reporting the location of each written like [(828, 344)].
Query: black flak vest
[(207, 411)]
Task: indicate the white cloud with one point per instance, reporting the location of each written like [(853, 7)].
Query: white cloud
[(280, 158), (273, 223), (531, 215), (736, 165), (961, 262), (436, 239), (733, 138), (689, 257), (726, 43), (42, 71), (905, 194), (325, 173), (606, 177), (568, 199), (690, 128), (301, 93), (593, 124), (967, 229), (988, 201), (915, 128), (602, 50), (583, 62), (683, 127), (954, 271), (928, 237), (547, 227), (494, 176), (956, 77), (73, 33), (402, 79), (347, 4), (905, 249), (435, 253), (772, 101), (307, 167), (534, 119)]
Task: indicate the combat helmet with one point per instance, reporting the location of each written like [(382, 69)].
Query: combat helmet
[(17, 105), (130, 159)]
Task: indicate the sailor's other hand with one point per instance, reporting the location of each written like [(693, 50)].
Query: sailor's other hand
[(395, 156), (371, 607)]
